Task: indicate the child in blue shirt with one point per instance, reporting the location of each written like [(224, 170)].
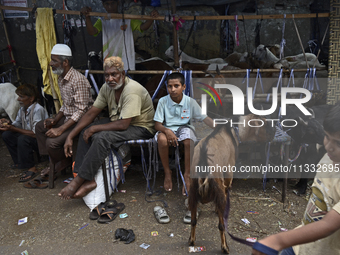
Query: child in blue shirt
[(173, 122)]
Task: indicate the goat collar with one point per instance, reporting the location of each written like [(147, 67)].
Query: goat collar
[(237, 134)]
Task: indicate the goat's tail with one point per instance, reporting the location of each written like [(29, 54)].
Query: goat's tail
[(203, 183), (203, 186)]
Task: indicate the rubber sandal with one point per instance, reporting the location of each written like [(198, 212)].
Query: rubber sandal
[(35, 184), (44, 178), (96, 212), (29, 174), (110, 212), (161, 215), (187, 217), (264, 249)]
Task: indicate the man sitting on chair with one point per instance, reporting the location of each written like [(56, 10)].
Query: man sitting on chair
[(131, 117)]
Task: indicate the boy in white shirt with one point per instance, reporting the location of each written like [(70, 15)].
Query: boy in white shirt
[(320, 229)]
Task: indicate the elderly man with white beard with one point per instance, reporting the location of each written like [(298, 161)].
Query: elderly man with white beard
[(130, 117), (77, 99)]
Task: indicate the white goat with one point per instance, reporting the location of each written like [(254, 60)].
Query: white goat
[(8, 100), (185, 57), (263, 54)]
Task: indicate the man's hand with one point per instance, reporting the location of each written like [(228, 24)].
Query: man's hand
[(68, 147), (48, 123), (88, 133), (154, 14), (171, 137), (5, 127), (54, 132), (85, 11), (4, 122)]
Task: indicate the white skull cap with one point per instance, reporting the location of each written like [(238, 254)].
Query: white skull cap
[(61, 50)]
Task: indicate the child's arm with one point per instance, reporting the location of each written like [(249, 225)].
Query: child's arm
[(209, 122), (305, 234), (170, 136)]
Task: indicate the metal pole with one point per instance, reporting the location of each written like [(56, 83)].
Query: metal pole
[(9, 45), (175, 41)]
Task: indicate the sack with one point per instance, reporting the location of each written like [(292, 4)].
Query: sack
[(97, 196)]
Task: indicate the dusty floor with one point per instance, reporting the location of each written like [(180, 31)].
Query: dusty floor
[(53, 225)]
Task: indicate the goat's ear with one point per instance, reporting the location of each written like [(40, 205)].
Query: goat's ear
[(209, 73), (313, 113), (305, 123)]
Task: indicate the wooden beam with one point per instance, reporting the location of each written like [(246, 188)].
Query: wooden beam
[(203, 72), (146, 17)]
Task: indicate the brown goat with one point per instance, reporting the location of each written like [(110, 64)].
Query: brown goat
[(220, 147)]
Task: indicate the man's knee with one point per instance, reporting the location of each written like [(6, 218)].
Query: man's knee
[(161, 140), (39, 127), (54, 143), (24, 140), (7, 136), (188, 142)]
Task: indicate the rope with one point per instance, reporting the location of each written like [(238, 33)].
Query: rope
[(283, 41), (127, 58), (298, 34), (323, 40), (190, 32), (245, 32), (237, 32), (267, 162)]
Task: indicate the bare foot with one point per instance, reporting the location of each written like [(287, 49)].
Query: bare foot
[(168, 181), (69, 191), (187, 184), (85, 189)]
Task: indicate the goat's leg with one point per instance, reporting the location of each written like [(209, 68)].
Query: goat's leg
[(224, 245), (193, 225)]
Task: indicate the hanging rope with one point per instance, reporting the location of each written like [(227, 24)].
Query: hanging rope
[(323, 40), (283, 41), (298, 34), (237, 32)]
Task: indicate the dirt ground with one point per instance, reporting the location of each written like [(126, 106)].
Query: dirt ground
[(55, 226)]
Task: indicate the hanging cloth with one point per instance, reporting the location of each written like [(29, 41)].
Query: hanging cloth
[(46, 39), (113, 41)]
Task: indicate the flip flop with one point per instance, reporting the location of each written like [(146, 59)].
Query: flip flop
[(187, 217), (161, 215), (44, 178), (35, 184), (110, 212), (96, 212), (29, 174)]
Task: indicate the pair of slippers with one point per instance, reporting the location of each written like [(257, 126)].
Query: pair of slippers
[(163, 217), (106, 212), (38, 183)]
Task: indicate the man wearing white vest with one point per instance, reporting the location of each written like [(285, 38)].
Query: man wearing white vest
[(117, 34)]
